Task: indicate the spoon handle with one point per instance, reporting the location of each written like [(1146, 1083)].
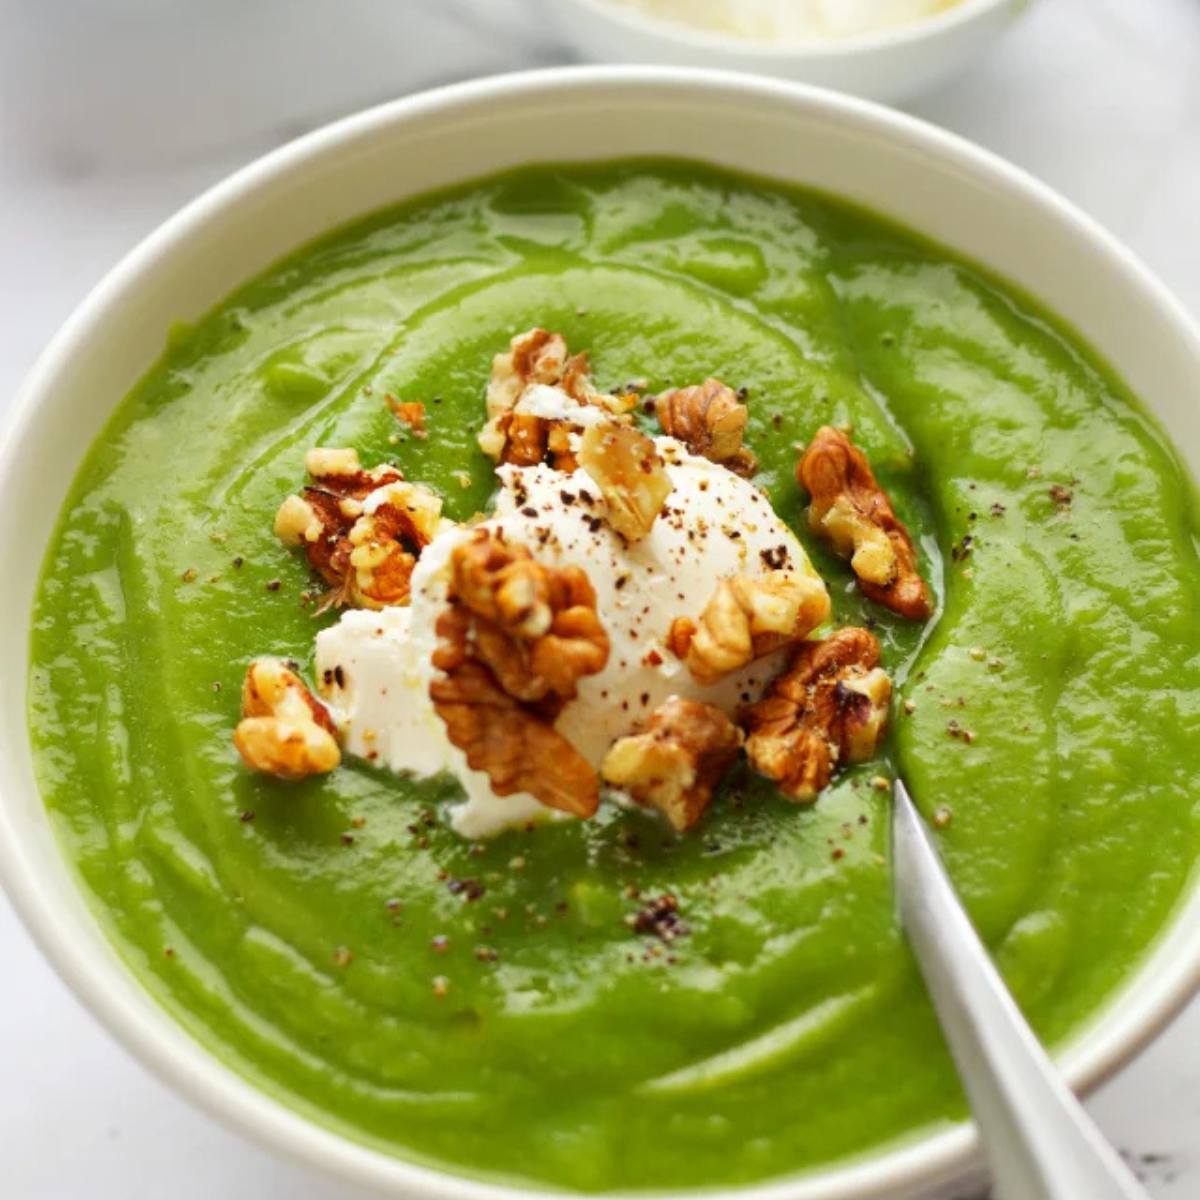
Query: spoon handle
[(1040, 1143)]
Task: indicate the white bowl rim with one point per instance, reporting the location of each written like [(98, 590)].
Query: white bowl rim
[(815, 50), (183, 1062)]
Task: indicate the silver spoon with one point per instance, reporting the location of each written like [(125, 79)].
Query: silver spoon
[(1040, 1143)]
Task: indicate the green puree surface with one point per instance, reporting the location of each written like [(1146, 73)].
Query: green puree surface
[(291, 927)]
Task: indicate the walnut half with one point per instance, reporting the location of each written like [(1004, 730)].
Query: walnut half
[(625, 465), (853, 513), (535, 627), (677, 762), (827, 708), (710, 420), (285, 730), (512, 645), (747, 617), (518, 750)]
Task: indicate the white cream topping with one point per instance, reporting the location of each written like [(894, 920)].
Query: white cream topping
[(541, 400), (371, 674), (792, 20), (714, 524)]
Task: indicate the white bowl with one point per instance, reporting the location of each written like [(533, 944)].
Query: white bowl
[(890, 65), (919, 175)]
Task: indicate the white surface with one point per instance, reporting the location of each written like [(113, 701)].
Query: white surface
[(1100, 98)]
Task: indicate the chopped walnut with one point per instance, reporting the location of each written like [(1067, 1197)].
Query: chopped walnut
[(630, 474), (535, 626), (513, 644), (677, 762), (338, 471), (285, 730), (539, 357), (321, 518), (367, 558), (536, 356), (386, 541), (558, 443), (411, 413), (710, 420), (747, 617), (854, 514), (298, 522), (526, 439), (829, 707), (327, 520)]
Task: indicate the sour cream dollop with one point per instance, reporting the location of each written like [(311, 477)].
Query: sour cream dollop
[(374, 668)]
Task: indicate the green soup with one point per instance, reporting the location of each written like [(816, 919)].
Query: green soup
[(1051, 710)]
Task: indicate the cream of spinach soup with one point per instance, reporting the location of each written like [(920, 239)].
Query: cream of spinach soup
[(470, 666)]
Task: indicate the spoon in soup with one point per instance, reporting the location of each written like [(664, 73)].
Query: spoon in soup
[(1040, 1143)]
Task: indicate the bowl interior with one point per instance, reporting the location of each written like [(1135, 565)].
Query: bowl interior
[(915, 174)]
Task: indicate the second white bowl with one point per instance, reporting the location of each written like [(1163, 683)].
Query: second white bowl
[(891, 65)]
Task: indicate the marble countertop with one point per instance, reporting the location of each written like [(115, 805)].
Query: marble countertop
[(1100, 98)]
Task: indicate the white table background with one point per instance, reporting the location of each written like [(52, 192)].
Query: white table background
[(1101, 98)]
